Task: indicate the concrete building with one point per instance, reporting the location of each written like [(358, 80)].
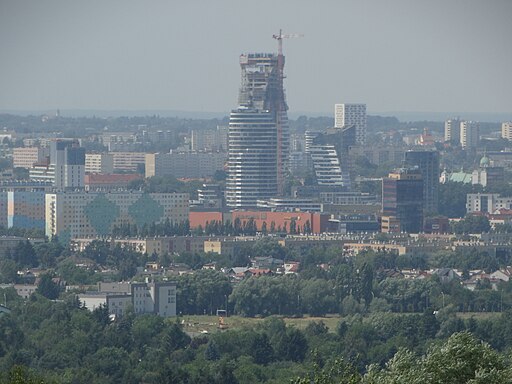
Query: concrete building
[(26, 157), (22, 204), (209, 140), (469, 134), (487, 202), (258, 149), (159, 245), (68, 161), (487, 175), (326, 165), (506, 130), (402, 201), (346, 115), (91, 214), (158, 298), (291, 205), (128, 161), (109, 182), (185, 164), (452, 131), (99, 163), (428, 164), (313, 222)]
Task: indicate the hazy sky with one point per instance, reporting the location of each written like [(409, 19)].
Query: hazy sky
[(394, 55)]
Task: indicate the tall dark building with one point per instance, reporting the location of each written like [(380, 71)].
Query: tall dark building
[(402, 201), (258, 136), (428, 164)]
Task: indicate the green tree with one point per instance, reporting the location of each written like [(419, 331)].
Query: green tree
[(261, 350), (47, 287)]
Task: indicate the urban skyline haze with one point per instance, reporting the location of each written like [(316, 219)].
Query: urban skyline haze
[(438, 56)]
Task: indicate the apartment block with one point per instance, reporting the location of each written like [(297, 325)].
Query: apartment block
[(99, 163), (26, 157), (91, 214), (128, 161), (185, 164)]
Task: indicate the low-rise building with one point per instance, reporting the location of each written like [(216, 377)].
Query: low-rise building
[(156, 297)]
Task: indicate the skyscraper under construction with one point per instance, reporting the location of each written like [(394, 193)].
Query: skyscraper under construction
[(258, 139)]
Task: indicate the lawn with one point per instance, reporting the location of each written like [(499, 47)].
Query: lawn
[(196, 325)]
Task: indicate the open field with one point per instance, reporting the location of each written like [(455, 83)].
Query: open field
[(210, 324), (196, 325)]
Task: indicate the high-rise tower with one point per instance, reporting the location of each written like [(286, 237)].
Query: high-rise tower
[(258, 138), (346, 115), (428, 164)]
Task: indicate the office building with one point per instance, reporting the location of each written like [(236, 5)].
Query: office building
[(90, 214), (506, 130), (346, 115), (469, 134), (428, 164), (258, 138), (402, 201), (452, 131)]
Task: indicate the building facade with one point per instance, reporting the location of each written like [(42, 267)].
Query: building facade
[(26, 157), (158, 298), (128, 161), (68, 161), (402, 201), (258, 138), (185, 164), (452, 131), (92, 214), (506, 130), (99, 163), (428, 164), (487, 202), (469, 134), (346, 115)]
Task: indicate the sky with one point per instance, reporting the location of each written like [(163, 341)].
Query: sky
[(182, 55)]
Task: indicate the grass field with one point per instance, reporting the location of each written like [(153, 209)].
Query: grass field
[(196, 325), (210, 324)]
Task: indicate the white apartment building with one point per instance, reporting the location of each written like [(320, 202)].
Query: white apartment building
[(469, 134), (326, 165), (506, 130), (99, 163), (89, 214), (346, 115), (452, 130), (158, 298)]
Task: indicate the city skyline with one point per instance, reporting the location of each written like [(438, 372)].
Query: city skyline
[(447, 57)]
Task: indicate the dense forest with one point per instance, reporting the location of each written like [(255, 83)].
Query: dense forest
[(44, 341)]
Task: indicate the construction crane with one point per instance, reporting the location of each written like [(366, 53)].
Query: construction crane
[(280, 38)]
